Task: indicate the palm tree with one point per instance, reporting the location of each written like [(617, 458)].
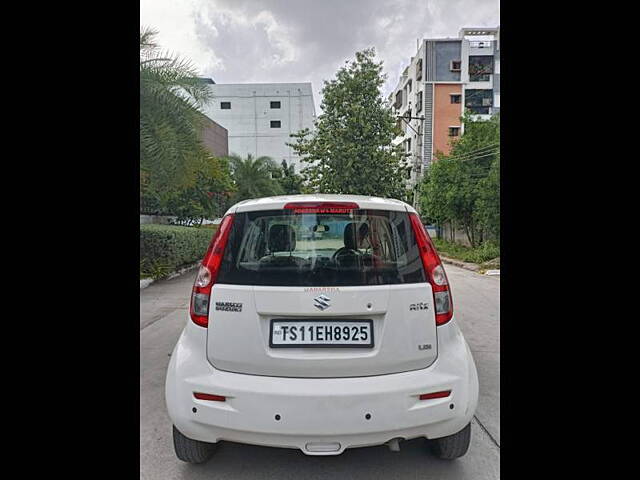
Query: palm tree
[(253, 177), (291, 182), (171, 96)]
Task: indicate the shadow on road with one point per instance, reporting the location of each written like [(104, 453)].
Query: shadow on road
[(245, 461)]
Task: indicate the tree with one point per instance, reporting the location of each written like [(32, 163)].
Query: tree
[(488, 203), (253, 177), (463, 186), (289, 180), (171, 97), (350, 150), (209, 197)]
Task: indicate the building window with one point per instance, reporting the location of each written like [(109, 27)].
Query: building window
[(275, 104), (225, 105), (275, 123), (408, 145), (398, 103), (455, 65), (419, 102), (419, 69), (479, 102), (454, 131), (480, 68), (456, 98)]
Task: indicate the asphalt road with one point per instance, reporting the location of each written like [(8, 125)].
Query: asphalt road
[(163, 307)]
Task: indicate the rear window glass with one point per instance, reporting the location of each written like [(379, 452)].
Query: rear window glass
[(283, 248)]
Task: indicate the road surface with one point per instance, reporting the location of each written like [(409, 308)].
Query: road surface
[(163, 313)]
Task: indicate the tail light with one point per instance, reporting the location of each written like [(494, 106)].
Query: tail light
[(208, 273), (429, 396), (434, 271), (210, 397)]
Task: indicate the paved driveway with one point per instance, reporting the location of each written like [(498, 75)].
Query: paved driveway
[(163, 312)]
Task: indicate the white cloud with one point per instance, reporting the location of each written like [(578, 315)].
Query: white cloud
[(286, 51), (305, 40)]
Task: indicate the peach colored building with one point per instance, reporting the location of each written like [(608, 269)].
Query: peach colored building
[(447, 110)]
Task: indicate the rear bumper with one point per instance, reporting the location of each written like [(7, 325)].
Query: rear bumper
[(320, 416)]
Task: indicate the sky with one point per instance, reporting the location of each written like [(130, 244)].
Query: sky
[(265, 41)]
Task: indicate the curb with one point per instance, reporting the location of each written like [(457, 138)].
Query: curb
[(474, 267), (145, 282)]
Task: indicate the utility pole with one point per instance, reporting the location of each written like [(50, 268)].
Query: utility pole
[(407, 121)]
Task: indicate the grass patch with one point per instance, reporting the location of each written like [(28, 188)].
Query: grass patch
[(210, 226), (483, 255)]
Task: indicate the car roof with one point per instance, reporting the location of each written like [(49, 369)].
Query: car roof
[(278, 203)]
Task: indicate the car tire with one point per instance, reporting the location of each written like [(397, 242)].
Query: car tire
[(453, 446), (192, 451)]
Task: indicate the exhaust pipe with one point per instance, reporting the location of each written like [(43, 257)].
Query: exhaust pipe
[(394, 444)]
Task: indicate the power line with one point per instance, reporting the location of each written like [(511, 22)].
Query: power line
[(488, 153), (480, 156), (480, 170), (472, 157), (495, 146), (484, 147)]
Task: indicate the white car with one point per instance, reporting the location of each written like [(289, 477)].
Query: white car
[(337, 341)]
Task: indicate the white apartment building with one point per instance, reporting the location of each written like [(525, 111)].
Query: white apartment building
[(446, 76), (260, 117)]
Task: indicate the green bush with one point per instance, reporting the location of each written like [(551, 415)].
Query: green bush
[(486, 251), (167, 248)]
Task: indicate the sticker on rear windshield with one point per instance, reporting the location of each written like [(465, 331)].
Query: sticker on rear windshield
[(229, 306)]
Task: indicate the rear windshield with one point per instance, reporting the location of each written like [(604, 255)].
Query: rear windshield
[(287, 248)]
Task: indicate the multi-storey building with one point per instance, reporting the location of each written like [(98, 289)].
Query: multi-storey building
[(445, 76), (215, 138), (481, 70), (260, 117)]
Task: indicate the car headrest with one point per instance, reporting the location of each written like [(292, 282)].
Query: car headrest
[(282, 238), (350, 240)]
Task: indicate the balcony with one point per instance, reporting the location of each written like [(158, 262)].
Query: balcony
[(479, 101), (480, 68), (481, 48), (481, 44)]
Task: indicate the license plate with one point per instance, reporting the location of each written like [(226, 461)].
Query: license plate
[(321, 333)]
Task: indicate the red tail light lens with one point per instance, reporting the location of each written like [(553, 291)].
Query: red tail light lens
[(321, 207), (434, 271), (208, 273), (429, 396), (208, 396)]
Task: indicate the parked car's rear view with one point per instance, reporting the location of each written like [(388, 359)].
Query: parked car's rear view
[(321, 323)]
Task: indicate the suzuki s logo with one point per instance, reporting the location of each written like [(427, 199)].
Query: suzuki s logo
[(322, 302)]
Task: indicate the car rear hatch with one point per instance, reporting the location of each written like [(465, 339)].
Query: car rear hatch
[(321, 291)]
